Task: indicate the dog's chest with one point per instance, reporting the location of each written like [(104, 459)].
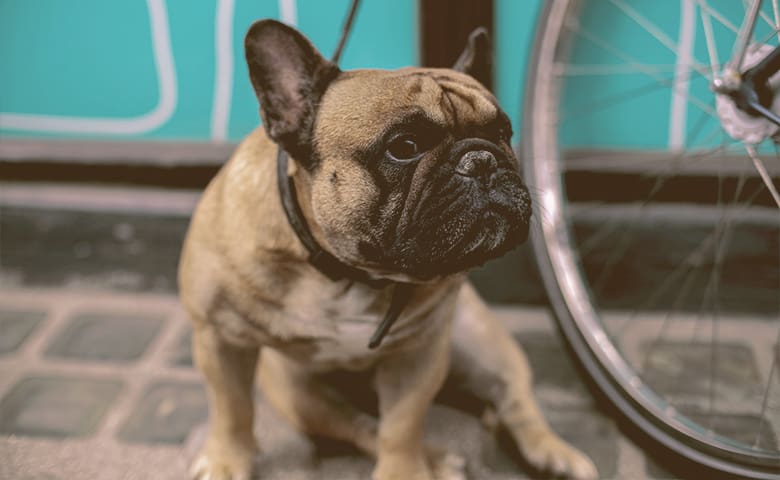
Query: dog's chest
[(329, 324), (338, 320)]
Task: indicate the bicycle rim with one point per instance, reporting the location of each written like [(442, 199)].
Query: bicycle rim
[(643, 346)]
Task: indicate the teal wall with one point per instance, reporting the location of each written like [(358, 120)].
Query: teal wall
[(515, 23), (87, 68), (158, 69)]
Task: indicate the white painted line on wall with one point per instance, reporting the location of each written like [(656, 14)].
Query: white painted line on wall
[(223, 86), (682, 73), (166, 78), (288, 11)]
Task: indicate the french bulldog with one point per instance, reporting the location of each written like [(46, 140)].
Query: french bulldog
[(407, 176)]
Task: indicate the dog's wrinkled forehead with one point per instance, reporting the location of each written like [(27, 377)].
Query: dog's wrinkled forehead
[(365, 102)]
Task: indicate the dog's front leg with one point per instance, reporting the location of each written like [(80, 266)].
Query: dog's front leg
[(229, 371), (489, 361), (406, 385)]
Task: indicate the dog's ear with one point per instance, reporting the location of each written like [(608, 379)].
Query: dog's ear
[(475, 58), (289, 77)]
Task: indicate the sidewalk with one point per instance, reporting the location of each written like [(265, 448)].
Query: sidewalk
[(117, 369)]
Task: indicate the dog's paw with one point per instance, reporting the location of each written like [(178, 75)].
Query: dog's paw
[(402, 469), (223, 464), (446, 465), (436, 465), (551, 454)]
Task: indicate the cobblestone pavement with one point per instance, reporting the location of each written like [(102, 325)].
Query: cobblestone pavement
[(102, 386)]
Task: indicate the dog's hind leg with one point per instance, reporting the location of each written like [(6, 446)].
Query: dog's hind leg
[(489, 361), (315, 408)]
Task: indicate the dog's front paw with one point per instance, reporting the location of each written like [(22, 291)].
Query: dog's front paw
[(439, 465), (402, 468), (446, 465), (551, 454), (223, 464)]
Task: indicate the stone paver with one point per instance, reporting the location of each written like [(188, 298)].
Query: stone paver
[(105, 337), (739, 427), (167, 413), (552, 369), (668, 365), (592, 432), (56, 406), (749, 429), (181, 352), (16, 326)]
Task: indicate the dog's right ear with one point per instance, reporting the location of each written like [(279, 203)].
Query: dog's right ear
[(475, 60), (289, 77)]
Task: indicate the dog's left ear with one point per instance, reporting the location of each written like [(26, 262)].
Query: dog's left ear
[(289, 77), (476, 56)]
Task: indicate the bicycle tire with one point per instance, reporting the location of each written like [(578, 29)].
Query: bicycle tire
[(568, 291)]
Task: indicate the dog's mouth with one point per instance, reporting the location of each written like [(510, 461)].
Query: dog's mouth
[(494, 222), (460, 226)]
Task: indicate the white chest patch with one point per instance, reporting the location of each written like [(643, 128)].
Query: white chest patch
[(327, 325), (347, 346)]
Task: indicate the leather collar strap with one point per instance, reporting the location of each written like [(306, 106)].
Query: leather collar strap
[(326, 263)]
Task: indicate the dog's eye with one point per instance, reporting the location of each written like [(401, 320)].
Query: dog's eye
[(404, 148)]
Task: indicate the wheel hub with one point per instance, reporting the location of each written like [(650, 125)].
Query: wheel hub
[(739, 124)]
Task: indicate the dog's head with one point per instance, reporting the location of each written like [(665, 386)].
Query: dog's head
[(409, 173)]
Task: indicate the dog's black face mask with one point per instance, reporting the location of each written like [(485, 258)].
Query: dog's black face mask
[(462, 204)]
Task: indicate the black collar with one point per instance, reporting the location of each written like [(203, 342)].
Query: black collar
[(325, 262)]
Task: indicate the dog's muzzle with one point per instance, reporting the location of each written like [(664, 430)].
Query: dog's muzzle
[(477, 158)]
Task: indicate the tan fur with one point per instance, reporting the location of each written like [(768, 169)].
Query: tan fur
[(248, 288)]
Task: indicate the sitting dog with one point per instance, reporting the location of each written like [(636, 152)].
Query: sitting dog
[(406, 177)]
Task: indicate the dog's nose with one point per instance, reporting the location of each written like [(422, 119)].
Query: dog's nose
[(477, 163)]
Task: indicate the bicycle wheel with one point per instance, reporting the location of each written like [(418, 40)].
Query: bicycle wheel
[(658, 240)]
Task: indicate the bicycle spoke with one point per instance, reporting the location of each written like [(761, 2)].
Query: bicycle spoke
[(607, 228), (650, 28), (641, 68), (717, 16), (665, 165), (765, 39), (709, 38), (764, 16), (626, 237), (695, 258), (724, 235), (765, 401), (625, 240), (776, 12), (761, 169), (606, 69), (744, 36), (614, 99), (685, 288)]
